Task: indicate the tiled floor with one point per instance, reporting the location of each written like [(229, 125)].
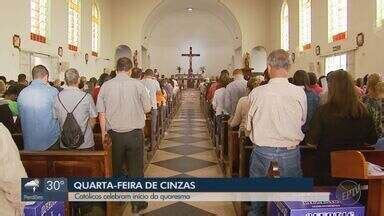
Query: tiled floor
[(186, 152)]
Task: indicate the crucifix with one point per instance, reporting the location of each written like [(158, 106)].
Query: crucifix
[(190, 55)]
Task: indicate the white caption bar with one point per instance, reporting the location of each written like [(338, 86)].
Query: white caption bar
[(195, 197)]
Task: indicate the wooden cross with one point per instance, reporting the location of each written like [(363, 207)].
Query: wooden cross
[(190, 55)]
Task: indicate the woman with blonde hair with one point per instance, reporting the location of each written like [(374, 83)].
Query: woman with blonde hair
[(374, 102), (240, 116), (342, 123), (372, 81)]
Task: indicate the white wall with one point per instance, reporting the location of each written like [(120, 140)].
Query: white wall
[(207, 35), (361, 18), (258, 59), (123, 21), (16, 20)]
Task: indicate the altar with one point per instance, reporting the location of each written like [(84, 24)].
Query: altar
[(189, 80)]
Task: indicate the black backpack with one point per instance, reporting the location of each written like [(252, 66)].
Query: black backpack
[(71, 134)]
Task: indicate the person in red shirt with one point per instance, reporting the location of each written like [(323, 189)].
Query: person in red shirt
[(103, 78), (211, 91), (215, 85), (313, 84)]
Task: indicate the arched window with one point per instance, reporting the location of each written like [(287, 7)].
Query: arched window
[(305, 24), (39, 20), (380, 13), (337, 20), (95, 29), (285, 26), (74, 16)]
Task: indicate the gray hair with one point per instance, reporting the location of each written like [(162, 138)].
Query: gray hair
[(71, 77), (279, 59)]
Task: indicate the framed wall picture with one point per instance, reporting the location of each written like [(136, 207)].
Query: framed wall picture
[(317, 50), (60, 51), (86, 58), (360, 39), (293, 56), (16, 41)]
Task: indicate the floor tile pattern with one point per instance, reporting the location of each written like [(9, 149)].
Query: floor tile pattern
[(186, 152)]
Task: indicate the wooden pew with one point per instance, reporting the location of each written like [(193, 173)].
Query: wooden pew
[(245, 151), (161, 122), (211, 121), (148, 148), (308, 155), (223, 157), (167, 115), (233, 152), (158, 127), (71, 163), (357, 168)]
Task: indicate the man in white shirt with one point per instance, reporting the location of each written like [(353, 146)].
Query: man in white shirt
[(153, 87), (218, 105), (277, 112), (234, 91), (11, 172)]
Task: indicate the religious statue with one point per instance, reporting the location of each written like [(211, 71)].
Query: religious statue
[(86, 58), (247, 70), (178, 69), (135, 61), (202, 69), (247, 59)]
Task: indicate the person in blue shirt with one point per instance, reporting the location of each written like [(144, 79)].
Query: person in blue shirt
[(301, 78), (40, 129)]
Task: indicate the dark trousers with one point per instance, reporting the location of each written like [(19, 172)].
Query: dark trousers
[(128, 153)]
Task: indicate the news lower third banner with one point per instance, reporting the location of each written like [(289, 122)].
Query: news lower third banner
[(169, 189)]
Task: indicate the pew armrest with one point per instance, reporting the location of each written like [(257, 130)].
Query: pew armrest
[(354, 164)]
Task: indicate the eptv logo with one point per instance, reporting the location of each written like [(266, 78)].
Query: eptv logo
[(348, 192)]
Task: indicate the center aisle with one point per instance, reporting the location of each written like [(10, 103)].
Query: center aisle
[(186, 152)]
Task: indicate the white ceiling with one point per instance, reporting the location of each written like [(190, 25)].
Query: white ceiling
[(201, 8), (190, 29)]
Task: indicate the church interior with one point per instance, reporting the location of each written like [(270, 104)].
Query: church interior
[(193, 89)]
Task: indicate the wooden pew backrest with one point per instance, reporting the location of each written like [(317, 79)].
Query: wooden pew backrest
[(69, 163), (354, 164)]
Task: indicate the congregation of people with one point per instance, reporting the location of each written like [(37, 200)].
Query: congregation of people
[(51, 116), (277, 114)]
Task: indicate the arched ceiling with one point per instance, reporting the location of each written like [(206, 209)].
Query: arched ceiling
[(214, 7)]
